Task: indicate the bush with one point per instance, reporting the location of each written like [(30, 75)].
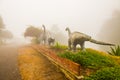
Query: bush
[(109, 73), (35, 41), (90, 59), (102, 65), (115, 51), (59, 46)]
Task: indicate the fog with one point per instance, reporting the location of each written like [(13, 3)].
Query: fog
[(110, 31), (88, 16)]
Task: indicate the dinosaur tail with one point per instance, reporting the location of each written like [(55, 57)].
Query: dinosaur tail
[(100, 42)]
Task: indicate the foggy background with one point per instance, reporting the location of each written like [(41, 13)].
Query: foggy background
[(97, 18), (110, 31)]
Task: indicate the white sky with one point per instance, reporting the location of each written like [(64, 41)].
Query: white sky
[(86, 16)]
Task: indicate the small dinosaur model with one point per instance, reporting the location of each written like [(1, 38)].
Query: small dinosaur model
[(80, 38), (51, 41)]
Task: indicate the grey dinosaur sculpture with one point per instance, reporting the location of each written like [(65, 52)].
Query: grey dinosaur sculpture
[(51, 41), (44, 36), (80, 38)]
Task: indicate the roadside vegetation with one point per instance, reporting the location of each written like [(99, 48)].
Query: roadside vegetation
[(115, 51), (59, 46), (108, 73), (103, 65), (5, 34), (35, 41), (34, 33)]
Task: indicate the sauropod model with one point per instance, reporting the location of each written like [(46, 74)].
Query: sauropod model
[(44, 36), (80, 38), (51, 40)]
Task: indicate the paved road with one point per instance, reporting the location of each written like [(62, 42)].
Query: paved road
[(8, 63)]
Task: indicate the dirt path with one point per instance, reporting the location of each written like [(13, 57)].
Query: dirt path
[(8, 63), (34, 66)]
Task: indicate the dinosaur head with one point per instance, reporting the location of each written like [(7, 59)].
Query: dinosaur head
[(67, 29), (43, 26)]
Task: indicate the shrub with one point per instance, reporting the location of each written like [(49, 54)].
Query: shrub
[(109, 73), (59, 46), (90, 59), (35, 41), (67, 55), (115, 51), (102, 65)]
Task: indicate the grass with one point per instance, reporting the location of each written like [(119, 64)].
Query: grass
[(29, 64), (102, 65), (90, 59), (34, 66), (109, 73), (115, 51), (59, 46), (35, 41)]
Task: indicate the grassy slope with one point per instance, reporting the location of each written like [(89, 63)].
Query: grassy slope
[(90, 59), (105, 66)]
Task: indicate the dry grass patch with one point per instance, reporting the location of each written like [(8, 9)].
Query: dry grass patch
[(35, 66), (29, 64)]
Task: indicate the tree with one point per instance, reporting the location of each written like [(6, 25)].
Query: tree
[(5, 35), (33, 32)]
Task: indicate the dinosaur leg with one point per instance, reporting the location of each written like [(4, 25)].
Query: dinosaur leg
[(53, 43), (49, 43), (45, 41), (74, 47), (69, 45), (82, 46)]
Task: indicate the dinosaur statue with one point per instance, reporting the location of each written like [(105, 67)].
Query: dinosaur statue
[(80, 38), (44, 36), (51, 41)]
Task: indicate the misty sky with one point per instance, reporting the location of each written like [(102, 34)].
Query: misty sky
[(86, 16)]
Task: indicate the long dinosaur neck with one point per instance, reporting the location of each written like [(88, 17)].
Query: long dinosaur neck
[(44, 29), (69, 32)]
